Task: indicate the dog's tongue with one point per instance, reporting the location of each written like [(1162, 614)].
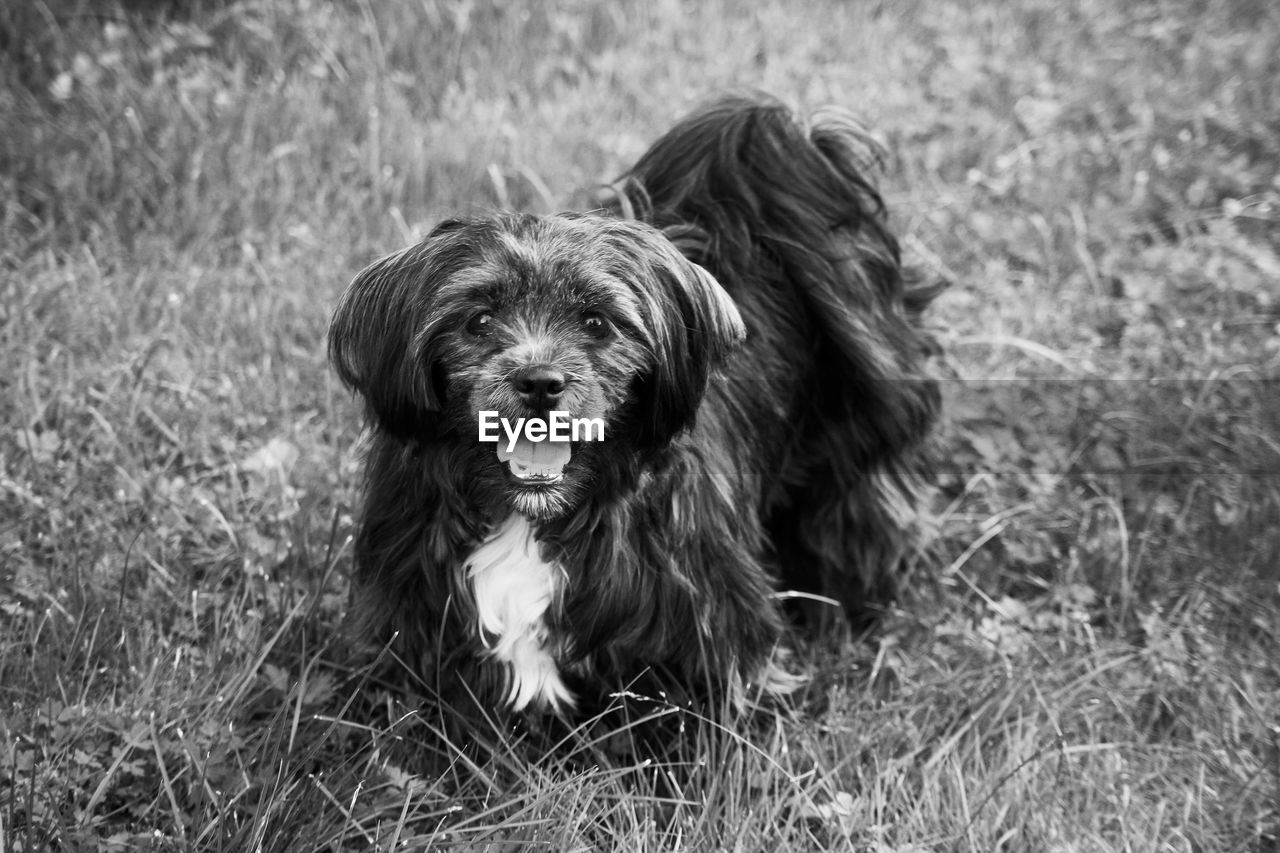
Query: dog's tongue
[(536, 461)]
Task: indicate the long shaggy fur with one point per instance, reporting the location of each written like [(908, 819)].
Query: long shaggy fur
[(763, 390)]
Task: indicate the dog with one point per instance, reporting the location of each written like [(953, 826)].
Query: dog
[(737, 317)]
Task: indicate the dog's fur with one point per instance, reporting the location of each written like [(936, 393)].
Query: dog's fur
[(739, 318)]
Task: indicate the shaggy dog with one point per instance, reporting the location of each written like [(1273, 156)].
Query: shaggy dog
[(738, 321)]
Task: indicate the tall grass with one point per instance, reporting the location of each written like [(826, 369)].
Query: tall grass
[(184, 188)]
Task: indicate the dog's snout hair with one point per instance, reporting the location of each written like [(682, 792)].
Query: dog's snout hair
[(540, 376)]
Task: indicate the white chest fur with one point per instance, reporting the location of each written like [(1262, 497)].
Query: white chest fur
[(513, 588)]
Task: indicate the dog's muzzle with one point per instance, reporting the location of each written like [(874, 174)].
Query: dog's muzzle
[(537, 462)]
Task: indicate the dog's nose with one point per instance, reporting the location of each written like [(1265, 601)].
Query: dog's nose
[(540, 385)]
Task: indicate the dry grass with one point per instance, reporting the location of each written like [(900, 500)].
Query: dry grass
[(183, 193)]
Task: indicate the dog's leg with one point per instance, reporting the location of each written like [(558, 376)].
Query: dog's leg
[(851, 541)]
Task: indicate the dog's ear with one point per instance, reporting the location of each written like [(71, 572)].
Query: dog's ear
[(694, 325), (377, 340)]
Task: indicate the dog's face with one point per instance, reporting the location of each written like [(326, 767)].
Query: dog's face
[(520, 316)]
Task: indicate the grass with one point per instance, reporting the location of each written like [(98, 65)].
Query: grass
[(184, 189)]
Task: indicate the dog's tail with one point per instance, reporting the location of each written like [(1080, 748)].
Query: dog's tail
[(760, 199), (787, 216)]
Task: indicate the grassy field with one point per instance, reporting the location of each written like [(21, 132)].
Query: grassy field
[(1092, 662)]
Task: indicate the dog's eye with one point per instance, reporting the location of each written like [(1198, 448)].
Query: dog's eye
[(595, 324), (481, 324)]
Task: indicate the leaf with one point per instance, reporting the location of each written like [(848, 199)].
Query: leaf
[(992, 452), (60, 88), (319, 689), (1075, 595), (276, 457), (1226, 512), (407, 782), (277, 677), (840, 811), (41, 445)]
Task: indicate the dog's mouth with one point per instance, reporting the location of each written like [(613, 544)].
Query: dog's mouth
[(536, 463)]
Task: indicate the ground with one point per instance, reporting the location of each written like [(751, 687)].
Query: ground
[(1087, 659)]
